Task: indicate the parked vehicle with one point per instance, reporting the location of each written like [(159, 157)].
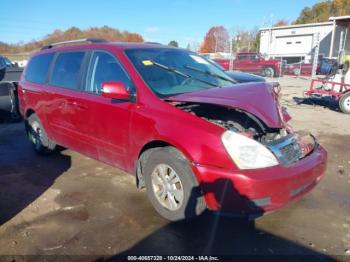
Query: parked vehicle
[(238, 76), (300, 68), (193, 137), (10, 75), (254, 63)]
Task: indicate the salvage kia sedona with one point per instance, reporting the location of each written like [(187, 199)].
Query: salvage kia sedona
[(191, 135)]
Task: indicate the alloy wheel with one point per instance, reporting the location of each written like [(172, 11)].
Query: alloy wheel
[(167, 187), (346, 104)]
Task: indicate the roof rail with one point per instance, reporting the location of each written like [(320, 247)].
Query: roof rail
[(84, 40), (152, 43)]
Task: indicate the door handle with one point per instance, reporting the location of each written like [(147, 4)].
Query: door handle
[(76, 105)]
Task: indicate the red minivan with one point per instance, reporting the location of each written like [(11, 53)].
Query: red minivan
[(192, 136)]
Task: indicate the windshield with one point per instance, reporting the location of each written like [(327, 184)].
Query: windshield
[(169, 71)]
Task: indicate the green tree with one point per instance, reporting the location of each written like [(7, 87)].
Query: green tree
[(173, 43), (320, 12)]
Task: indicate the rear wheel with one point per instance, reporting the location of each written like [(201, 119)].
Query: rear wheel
[(171, 185), (296, 71), (37, 136), (344, 103), (269, 72)]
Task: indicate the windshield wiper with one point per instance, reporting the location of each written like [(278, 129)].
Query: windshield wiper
[(206, 72), (173, 70)]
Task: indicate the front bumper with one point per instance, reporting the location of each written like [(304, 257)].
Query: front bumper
[(261, 190)]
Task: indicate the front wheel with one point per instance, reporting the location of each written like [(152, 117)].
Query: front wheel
[(269, 72), (344, 103), (37, 136), (171, 186)]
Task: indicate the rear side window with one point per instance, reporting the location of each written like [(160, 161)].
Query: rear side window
[(66, 71), (38, 68), (104, 67)]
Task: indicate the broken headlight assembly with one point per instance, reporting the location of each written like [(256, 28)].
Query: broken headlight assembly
[(246, 152)]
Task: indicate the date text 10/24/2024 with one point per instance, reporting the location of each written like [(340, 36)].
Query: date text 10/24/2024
[(172, 258)]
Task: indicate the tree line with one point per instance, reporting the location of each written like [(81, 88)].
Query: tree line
[(218, 39), (321, 12), (105, 32)]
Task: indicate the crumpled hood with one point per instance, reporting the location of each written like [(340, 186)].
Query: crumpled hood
[(255, 98)]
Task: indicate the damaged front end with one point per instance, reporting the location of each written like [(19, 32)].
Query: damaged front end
[(286, 146)]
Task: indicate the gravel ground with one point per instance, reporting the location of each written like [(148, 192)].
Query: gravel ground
[(68, 204)]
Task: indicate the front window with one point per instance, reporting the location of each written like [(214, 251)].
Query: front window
[(104, 67), (169, 71)]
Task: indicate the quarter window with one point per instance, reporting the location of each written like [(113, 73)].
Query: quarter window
[(38, 68), (104, 67), (66, 71)]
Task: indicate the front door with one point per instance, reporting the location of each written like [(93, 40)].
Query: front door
[(110, 119)]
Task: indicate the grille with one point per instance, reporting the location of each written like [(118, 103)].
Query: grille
[(291, 152), (287, 150)]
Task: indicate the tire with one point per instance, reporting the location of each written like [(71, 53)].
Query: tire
[(344, 103), (15, 115), (269, 72), (346, 67), (37, 136), (297, 71), (170, 205)]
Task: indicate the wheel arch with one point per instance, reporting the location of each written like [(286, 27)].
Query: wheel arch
[(273, 67), (28, 112), (144, 153)]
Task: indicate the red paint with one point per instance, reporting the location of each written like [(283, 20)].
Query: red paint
[(251, 65), (115, 133), (331, 92), (241, 96), (115, 90), (302, 69)]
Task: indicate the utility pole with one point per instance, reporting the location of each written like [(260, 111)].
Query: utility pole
[(231, 54), (317, 50), (237, 38)]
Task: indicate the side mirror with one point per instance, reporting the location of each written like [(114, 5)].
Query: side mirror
[(115, 90)]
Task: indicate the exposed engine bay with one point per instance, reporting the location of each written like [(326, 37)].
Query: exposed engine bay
[(234, 119), (286, 146)]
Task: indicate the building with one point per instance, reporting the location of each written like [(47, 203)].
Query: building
[(298, 42)]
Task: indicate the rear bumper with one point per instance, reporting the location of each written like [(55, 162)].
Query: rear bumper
[(262, 190)]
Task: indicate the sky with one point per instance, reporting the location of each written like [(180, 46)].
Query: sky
[(185, 21)]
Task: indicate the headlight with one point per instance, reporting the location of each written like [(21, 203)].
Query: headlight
[(247, 153)]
